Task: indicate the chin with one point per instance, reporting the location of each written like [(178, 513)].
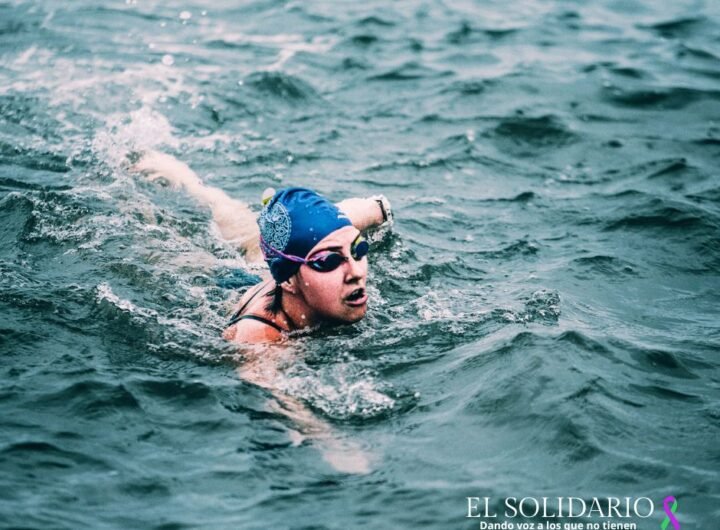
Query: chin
[(350, 318), (357, 316)]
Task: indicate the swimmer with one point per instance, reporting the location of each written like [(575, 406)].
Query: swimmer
[(315, 251), (317, 261)]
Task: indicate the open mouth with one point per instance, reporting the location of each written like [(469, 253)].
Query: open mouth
[(357, 297)]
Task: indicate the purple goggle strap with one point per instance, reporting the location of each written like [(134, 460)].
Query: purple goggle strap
[(269, 251)]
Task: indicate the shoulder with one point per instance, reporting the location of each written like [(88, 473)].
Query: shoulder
[(255, 292), (253, 331)]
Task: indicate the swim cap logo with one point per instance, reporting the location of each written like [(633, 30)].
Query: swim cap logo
[(275, 226), (670, 511)]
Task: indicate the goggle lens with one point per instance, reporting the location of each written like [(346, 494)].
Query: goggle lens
[(328, 262), (332, 260), (360, 248)]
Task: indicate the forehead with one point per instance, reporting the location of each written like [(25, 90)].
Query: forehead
[(342, 237)]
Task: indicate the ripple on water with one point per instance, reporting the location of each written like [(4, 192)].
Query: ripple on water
[(473, 304), (467, 34), (179, 392), (670, 98), (572, 440), (663, 392), (635, 472), (469, 87), (285, 87), (610, 267), (91, 399), (40, 456), (660, 362), (410, 71), (527, 136), (679, 28), (663, 215)]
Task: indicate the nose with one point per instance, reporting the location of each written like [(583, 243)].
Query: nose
[(355, 270)]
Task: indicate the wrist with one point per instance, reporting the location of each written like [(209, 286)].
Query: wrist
[(383, 208)]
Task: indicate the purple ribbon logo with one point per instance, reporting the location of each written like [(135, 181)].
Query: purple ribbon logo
[(670, 511)]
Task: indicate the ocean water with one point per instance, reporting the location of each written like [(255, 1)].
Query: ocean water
[(544, 317)]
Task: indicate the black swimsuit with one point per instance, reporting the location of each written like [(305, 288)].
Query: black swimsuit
[(238, 316)]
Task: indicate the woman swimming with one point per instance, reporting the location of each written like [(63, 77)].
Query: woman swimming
[(315, 251), (317, 260)]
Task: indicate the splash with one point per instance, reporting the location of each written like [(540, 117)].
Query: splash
[(342, 390), (142, 130)]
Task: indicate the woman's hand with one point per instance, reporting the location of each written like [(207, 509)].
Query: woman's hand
[(155, 165)]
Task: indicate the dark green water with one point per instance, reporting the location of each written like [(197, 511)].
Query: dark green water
[(544, 318)]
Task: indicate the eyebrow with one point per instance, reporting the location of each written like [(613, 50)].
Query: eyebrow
[(325, 249), (334, 248)]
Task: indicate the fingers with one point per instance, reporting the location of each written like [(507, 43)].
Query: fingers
[(155, 165)]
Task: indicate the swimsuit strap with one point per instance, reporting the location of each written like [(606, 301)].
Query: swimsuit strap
[(237, 313), (259, 319), (238, 316)]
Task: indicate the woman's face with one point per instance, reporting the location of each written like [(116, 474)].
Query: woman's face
[(337, 295)]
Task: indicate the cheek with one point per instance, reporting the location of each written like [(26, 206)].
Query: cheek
[(322, 289)]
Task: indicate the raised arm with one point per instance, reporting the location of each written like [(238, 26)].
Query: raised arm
[(234, 219)]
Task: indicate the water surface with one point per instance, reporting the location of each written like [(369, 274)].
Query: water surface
[(543, 317)]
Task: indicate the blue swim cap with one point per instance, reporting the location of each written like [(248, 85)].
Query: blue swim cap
[(293, 222)]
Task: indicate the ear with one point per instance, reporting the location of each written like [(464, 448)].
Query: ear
[(290, 286)]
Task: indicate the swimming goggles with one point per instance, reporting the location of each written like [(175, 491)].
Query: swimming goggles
[(324, 261)]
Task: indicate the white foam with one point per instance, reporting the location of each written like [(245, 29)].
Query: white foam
[(342, 389), (287, 44), (105, 293), (144, 129)]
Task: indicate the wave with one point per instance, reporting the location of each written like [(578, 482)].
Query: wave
[(526, 136), (679, 28), (658, 213), (519, 248), (466, 34), (610, 267), (699, 53), (282, 86), (48, 457), (375, 20), (469, 87), (648, 170), (410, 71), (636, 473), (33, 158), (672, 98), (711, 195), (91, 399)]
